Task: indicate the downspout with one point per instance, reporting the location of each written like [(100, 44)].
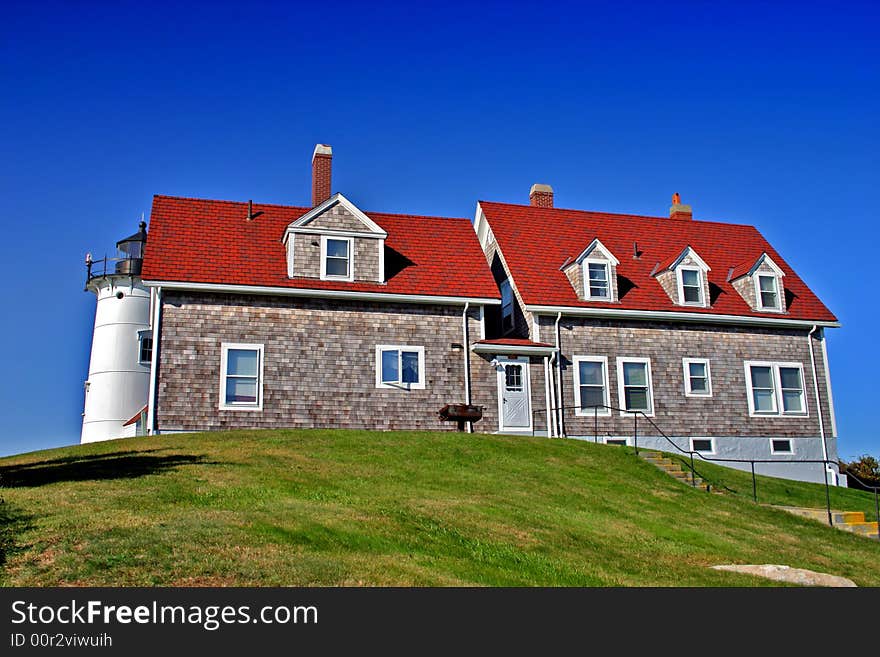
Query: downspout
[(816, 388), (548, 394), (467, 361), (559, 396), (154, 362)]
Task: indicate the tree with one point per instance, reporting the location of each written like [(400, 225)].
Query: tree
[(866, 468)]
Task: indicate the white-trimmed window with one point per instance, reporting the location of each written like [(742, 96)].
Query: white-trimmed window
[(145, 347), (690, 286), (767, 291), (635, 391), (703, 445), (781, 446), (597, 285), (697, 377), (775, 389), (401, 367), (623, 442), (506, 306), (241, 376), (337, 258), (591, 385)]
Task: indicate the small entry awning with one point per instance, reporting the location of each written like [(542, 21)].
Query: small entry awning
[(513, 346)]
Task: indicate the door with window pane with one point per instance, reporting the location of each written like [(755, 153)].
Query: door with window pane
[(513, 391)]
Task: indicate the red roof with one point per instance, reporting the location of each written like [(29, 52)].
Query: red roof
[(137, 416), (536, 241), (203, 241)]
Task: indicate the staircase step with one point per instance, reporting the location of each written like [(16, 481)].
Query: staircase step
[(849, 521)]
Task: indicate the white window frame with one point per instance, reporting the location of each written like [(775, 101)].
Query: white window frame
[(777, 389), (686, 363), (501, 286), (774, 451), (679, 274), (586, 274), (329, 277), (145, 335), (241, 406), (759, 302), (621, 396), (602, 412), (711, 451), (419, 385), (626, 441)]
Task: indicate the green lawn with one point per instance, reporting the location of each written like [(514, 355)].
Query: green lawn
[(402, 508)]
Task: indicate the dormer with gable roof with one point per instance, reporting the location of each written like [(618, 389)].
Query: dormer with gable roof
[(593, 274), (759, 282), (336, 241), (685, 278)]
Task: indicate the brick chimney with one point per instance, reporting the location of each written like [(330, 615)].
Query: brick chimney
[(679, 210), (321, 164), (541, 196)]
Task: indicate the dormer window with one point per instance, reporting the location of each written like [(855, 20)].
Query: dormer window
[(768, 292), (593, 273), (684, 277), (691, 286), (336, 258), (597, 278), (759, 282)]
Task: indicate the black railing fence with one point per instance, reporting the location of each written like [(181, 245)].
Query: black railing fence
[(598, 413), (109, 266)]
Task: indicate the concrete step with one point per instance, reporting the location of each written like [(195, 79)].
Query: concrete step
[(850, 521)]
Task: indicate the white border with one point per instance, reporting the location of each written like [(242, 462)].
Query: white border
[(679, 277), (527, 385), (319, 293), (777, 389), (775, 452), (685, 365), (420, 385), (621, 397), (585, 273), (224, 349), (676, 316), (602, 412), (759, 304), (711, 440), (324, 275)]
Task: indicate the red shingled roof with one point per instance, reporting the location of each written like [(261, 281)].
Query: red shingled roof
[(204, 241), (536, 241)]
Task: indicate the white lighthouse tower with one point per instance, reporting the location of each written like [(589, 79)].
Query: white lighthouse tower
[(119, 369)]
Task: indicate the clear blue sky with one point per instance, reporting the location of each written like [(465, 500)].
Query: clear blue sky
[(757, 113)]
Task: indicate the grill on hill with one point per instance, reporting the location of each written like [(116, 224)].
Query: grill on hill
[(461, 413)]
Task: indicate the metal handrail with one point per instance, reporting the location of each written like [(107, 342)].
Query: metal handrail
[(692, 453), (103, 267)]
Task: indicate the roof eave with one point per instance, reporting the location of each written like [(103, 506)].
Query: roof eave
[(322, 293), (671, 316)]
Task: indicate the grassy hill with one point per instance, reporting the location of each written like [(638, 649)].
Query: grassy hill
[(406, 508)]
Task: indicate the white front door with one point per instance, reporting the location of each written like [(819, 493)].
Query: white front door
[(514, 409)]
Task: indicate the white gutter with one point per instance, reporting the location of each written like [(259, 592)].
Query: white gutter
[(321, 294), (154, 361), (467, 362), (513, 350), (704, 318), (828, 386), (560, 423), (816, 388), (548, 388)]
